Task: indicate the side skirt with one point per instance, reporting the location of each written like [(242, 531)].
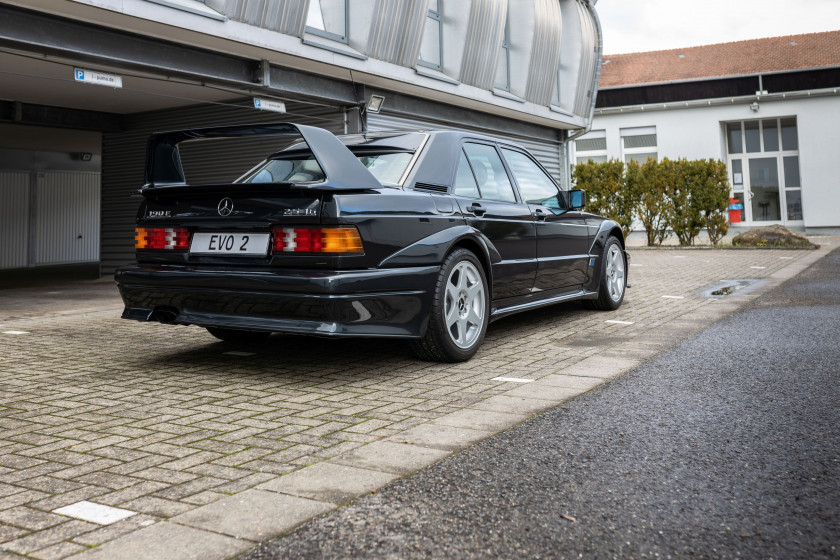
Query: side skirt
[(500, 312)]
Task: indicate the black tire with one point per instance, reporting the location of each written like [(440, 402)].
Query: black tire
[(238, 336), (463, 295), (613, 282)]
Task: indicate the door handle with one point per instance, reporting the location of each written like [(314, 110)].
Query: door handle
[(540, 215), (477, 209)]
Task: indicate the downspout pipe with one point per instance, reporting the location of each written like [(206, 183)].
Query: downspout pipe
[(590, 5)]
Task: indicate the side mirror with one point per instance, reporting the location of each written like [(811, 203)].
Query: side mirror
[(577, 199)]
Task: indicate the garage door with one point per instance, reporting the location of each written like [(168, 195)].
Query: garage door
[(14, 219)]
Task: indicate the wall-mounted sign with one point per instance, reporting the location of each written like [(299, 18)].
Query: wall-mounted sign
[(269, 105), (97, 78)]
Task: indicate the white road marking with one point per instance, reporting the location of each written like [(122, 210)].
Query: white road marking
[(512, 380), (95, 513), (674, 297), (614, 322), (235, 353), (758, 267), (786, 258), (636, 264), (15, 332)]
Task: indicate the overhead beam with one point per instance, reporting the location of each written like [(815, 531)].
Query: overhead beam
[(85, 43)]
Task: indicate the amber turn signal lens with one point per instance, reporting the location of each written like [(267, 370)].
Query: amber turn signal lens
[(341, 240), (317, 240)]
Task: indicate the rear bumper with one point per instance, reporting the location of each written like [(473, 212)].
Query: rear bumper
[(383, 302)]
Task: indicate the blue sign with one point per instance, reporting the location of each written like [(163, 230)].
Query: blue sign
[(736, 206), (80, 74)]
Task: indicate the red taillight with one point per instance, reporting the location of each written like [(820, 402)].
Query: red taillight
[(177, 239), (317, 240)]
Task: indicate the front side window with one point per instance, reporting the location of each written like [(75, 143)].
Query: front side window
[(431, 48), (534, 185), (490, 173), (328, 18)]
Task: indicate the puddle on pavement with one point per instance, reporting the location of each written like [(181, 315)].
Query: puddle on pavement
[(728, 287)]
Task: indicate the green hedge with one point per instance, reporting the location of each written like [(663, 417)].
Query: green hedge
[(670, 195)]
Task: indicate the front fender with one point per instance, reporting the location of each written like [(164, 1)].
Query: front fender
[(596, 251), (599, 240), (434, 248)]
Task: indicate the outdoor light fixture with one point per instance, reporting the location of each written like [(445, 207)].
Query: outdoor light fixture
[(85, 156), (754, 106), (375, 103)]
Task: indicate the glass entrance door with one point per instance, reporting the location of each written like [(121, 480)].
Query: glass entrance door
[(763, 189), (764, 170)]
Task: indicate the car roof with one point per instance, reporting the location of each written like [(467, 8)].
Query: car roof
[(408, 140)]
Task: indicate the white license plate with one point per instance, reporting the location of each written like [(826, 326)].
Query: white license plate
[(245, 244)]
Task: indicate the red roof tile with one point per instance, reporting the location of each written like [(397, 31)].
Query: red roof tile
[(794, 52)]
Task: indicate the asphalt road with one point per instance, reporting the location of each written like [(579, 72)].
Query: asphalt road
[(726, 446)]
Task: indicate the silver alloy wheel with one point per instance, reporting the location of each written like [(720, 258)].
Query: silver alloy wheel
[(464, 304), (615, 273)]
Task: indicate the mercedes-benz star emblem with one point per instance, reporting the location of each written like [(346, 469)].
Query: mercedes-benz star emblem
[(225, 207)]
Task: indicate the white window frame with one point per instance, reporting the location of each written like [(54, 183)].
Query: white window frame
[(504, 52), (639, 131), (590, 154), (746, 214), (435, 17), (329, 34)]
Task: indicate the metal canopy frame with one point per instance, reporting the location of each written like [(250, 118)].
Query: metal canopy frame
[(30, 31)]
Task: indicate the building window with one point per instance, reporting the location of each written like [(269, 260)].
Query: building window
[(328, 18), (763, 157), (592, 147), (638, 144), (431, 48), (503, 66), (555, 96)]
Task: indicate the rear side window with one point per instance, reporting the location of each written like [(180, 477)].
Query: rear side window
[(490, 173), (286, 171), (465, 184), (534, 185)]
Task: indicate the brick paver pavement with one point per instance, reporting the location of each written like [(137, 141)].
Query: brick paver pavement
[(161, 420)]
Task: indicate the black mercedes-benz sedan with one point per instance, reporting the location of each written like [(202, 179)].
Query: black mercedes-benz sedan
[(426, 236)]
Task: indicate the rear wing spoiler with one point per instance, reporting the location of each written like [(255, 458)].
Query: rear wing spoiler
[(342, 170)]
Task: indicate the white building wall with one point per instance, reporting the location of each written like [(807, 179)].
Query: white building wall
[(697, 133)]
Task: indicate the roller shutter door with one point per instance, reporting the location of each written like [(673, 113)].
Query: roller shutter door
[(14, 219)]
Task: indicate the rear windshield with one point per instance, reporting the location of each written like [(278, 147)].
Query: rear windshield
[(304, 168)]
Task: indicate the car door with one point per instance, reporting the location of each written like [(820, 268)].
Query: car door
[(562, 235), (488, 201)]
